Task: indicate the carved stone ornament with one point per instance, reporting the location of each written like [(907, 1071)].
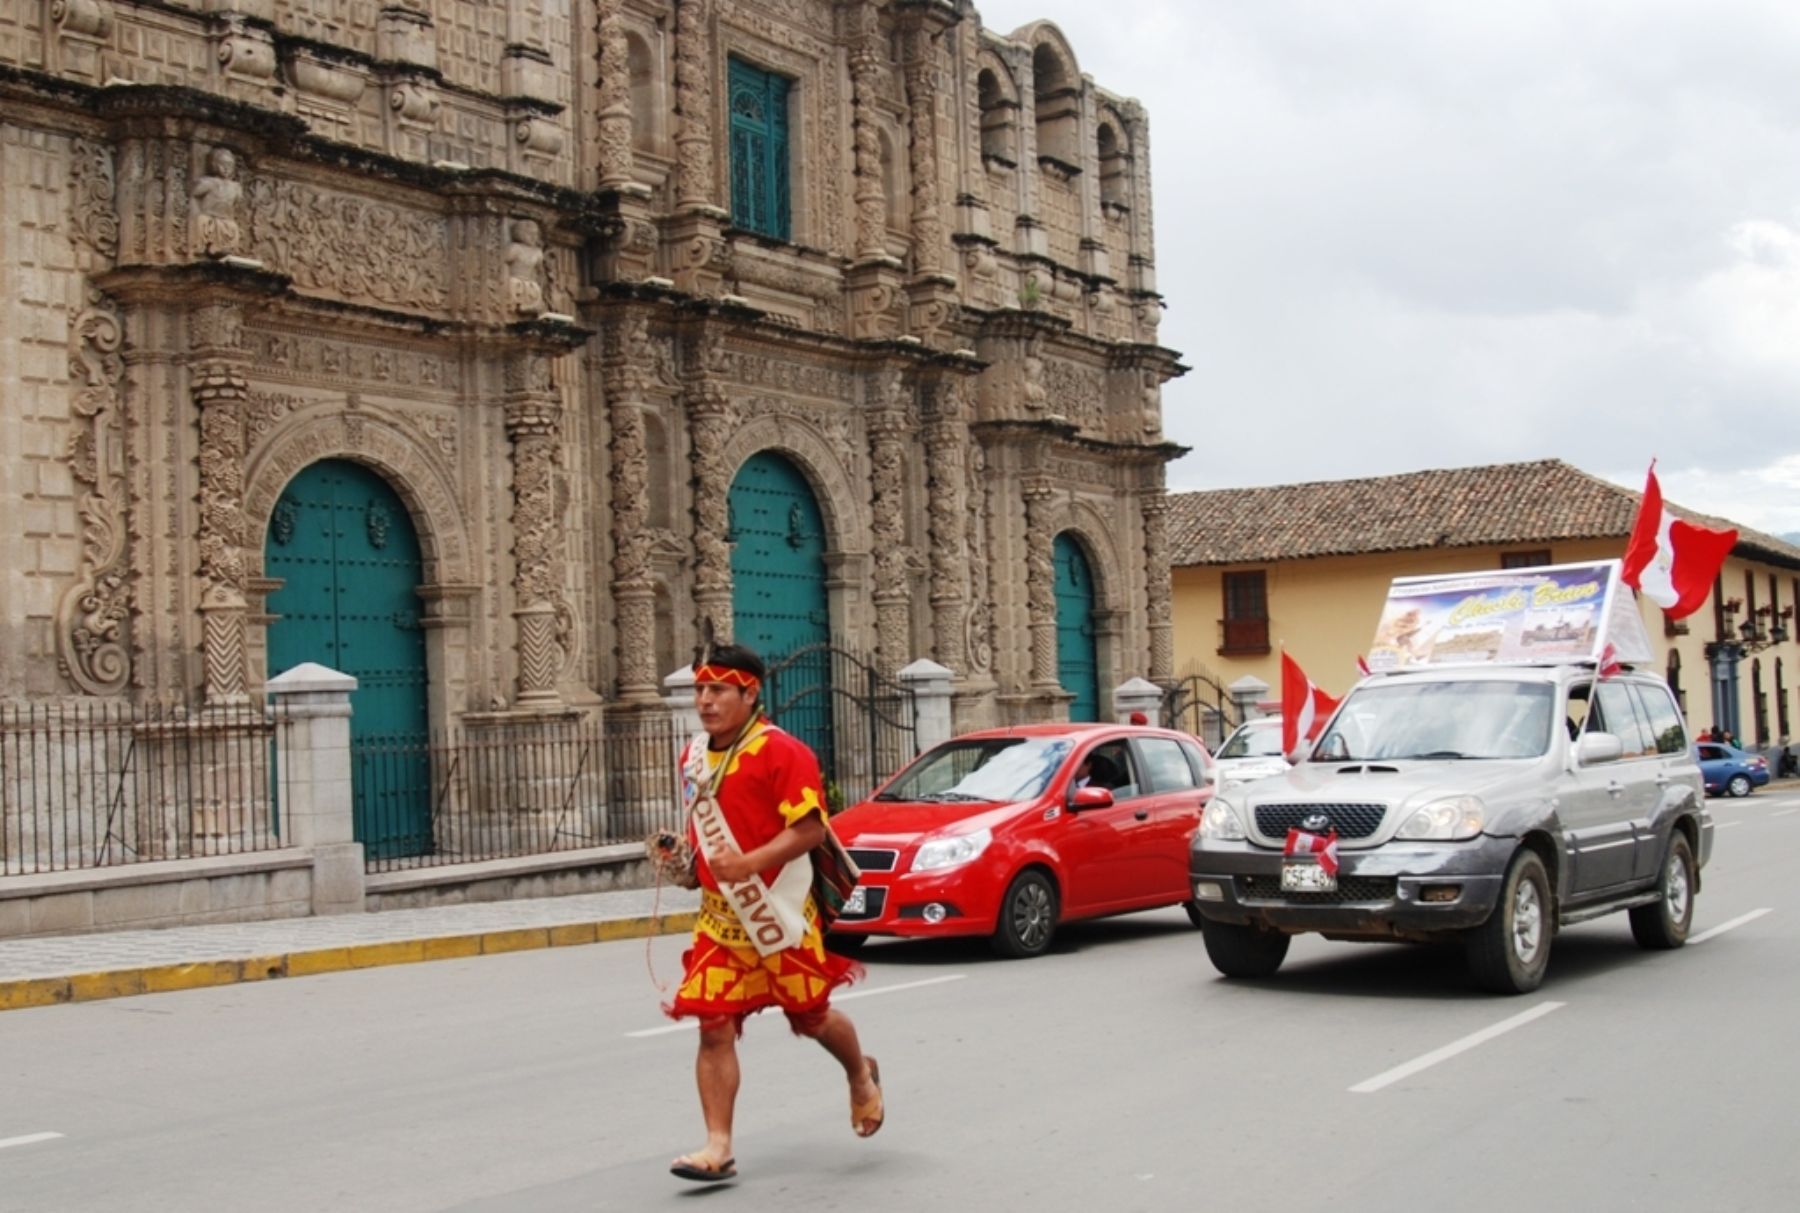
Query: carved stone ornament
[(213, 206), (93, 221), (82, 18), (347, 246), (525, 268)]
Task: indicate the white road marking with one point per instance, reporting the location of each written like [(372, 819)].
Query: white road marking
[(1726, 825), (688, 1024), (30, 1139), (1450, 1050), (1785, 813), (1723, 927)]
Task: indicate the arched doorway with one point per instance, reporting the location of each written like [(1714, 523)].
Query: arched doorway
[(1077, 666), (343, 545), (778, 600)]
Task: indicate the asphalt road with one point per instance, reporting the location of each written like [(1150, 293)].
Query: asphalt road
[(1118, 1073)]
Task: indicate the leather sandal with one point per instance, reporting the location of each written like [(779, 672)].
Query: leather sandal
[(867, 1118)]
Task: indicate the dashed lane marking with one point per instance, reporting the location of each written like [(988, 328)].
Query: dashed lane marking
[(686, 1025), (30, 1139), (1407, 1070), (1723, 927)]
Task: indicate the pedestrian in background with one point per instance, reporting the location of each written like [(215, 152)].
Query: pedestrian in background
[(756, 811)]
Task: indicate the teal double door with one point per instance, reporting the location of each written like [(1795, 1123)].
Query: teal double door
[(1077, 662), (778, 601), (344, 547)]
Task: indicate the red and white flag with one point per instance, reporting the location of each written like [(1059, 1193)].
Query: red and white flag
[(1300, 842), (1304, 707), (1671, 560), (1609, 664), (1362, 666)]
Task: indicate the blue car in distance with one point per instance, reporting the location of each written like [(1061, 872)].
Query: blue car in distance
[(1727, 769)]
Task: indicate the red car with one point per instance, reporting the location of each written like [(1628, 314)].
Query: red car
[(1009, 832)]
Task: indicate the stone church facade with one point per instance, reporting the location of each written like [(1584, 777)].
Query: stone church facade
[(558, 277)]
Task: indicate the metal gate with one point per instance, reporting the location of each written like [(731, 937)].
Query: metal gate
[(868, 722), (1198, 704)]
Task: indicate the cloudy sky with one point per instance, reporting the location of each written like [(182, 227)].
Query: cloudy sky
[(1407, 234)]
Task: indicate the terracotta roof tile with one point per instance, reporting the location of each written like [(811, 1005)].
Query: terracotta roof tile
[(1506, 503)]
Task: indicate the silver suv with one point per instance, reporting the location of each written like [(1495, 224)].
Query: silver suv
[(1490, 804)]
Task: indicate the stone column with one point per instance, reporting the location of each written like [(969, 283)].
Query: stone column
[(311, 706), (871, 201), (534, 426), (709, 426), (887, 485), (923, 82), (1040, 581), (694, 182), (615, 96), (946, 442), (930, 685), (1159, 612), (634, 590), (217, 382)]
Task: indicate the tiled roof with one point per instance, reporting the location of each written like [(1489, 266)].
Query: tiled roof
[(1506, 503)]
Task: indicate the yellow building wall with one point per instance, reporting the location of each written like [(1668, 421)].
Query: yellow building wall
[(1323, 612)]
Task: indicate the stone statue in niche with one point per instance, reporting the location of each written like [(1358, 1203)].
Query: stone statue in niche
[(524, 268), (212, 209)]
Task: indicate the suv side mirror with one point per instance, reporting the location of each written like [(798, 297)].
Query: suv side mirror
[(1596, 748)]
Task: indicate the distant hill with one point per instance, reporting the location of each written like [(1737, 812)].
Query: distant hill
[(1793, 537)]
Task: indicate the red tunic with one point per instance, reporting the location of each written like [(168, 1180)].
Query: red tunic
[(773, 781)]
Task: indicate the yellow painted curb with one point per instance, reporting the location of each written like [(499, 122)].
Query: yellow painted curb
[(30, 992)]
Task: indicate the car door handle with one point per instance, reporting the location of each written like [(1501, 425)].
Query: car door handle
[(1615, 788), (1142, 814)]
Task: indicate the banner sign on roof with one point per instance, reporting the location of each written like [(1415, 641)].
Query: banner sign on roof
[(1555, 613)]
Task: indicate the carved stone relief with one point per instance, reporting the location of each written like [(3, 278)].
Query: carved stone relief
[(351, 247)]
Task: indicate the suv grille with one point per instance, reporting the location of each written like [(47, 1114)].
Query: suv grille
[(1350, 820), (870, 860), (1350, 888)]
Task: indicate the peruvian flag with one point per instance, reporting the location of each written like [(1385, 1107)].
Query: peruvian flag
[(1609, 664), (1300, 842), (1670, 559), (1304, 707)]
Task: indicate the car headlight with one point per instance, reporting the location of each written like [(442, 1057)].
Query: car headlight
[(1449, 820), (948, 852), (1221, 823)]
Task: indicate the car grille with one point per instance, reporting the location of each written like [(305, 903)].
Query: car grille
[(874, 900), (868, 859), (1350, 820), (1350, 888)]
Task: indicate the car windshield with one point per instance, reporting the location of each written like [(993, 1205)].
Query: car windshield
[(1248, 742), (987, 769), (1436, 720)]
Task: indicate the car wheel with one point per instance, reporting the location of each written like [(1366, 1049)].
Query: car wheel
[(1664, 922), (1739, 785), (845, 943), (1244, 951), (1193, 912), (1509, 952), (1027, 917)]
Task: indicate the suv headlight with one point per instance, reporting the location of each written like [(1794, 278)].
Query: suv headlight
[(1221, 823), (948, 852), (1449, 820)]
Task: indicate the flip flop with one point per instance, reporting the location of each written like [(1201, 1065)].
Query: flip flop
[(690, 1167), (874, 1111)]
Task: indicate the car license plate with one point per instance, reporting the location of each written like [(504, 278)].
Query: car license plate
[(1307, 878), (855, 903)]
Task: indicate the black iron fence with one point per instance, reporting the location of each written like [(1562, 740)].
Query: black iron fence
[(862, 724), (99, 783), (499, 790), (1199, 703)]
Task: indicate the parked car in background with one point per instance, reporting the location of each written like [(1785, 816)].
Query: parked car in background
[(1730, 771), (1253, 751), (1009, 833)]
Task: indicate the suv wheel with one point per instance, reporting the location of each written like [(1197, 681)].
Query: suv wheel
[(1027, 917), (1664, 922), (1242, 951), (1739, 785), (1509, 952)]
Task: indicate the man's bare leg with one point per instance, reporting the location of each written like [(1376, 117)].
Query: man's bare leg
[(716, 1074), (838, 1035)]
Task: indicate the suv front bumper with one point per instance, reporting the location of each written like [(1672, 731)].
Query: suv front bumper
[(1398, 891)]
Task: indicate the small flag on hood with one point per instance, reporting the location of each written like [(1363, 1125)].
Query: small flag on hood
[(1301, 842)]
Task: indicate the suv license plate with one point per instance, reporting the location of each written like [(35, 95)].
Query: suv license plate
[(856, 903), (1307, 878)]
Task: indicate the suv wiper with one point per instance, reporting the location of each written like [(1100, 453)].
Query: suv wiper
[(1434, 754), (964, 798)]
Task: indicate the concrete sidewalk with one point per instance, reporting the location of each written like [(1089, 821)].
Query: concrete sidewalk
[(79, 968)]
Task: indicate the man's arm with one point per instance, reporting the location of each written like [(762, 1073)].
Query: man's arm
[(728, 864)]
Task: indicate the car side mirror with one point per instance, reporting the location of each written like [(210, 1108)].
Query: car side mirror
[(1090, 798), (1595, 748)]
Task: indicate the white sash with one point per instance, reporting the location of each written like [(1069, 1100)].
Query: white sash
[(773, 915)]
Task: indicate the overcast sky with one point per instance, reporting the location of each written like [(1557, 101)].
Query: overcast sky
[(1407, 234)]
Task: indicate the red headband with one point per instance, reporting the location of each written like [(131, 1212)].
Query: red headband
[(724, 673)]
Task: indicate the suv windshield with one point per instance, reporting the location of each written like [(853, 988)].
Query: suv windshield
[(1251, 741), (1436, 720), (999, 768)]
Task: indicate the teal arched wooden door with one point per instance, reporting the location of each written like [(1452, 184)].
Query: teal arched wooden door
[(343, 544), (1077, 667), (778, 602)]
